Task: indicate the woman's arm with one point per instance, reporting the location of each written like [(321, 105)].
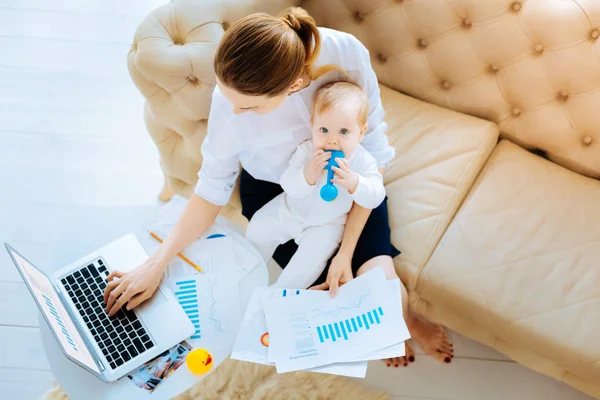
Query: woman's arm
[(198, 216), (340, 270), (139, 285), (357, 218), (220, 168)]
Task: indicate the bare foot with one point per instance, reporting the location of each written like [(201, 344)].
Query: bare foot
[(408, 357), (432, 338)]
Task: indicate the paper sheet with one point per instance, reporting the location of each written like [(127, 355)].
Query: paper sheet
[(253, 340), (311, 331), (244, 258), (397, 350), (212, 303)]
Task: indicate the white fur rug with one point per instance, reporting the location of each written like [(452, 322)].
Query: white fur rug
[(248, 381)]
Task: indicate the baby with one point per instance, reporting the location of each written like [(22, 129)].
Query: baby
[(339, 122)]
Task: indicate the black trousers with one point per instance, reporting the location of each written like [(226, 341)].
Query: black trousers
[(375, 239)]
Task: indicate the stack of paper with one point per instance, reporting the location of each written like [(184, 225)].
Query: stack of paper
[(307, 330)]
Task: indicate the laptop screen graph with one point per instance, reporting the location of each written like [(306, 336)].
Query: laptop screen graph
[(56, 315)]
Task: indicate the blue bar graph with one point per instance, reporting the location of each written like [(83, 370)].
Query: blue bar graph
[(365, 321), (59, 321), (320, 335), (187, 296), (344, 329), (331, 331)]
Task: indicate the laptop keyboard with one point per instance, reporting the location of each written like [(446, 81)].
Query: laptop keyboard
[(121, 337)]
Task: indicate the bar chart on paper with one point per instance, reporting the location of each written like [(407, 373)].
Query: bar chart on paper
[(54, 313), (187, 296), (341, 330)]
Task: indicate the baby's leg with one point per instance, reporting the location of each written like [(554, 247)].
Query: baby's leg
[(315, 246), (265, 230)]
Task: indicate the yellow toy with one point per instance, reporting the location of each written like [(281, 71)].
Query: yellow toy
[(199, 361)]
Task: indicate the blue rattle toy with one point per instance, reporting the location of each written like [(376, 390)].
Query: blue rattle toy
[(329, 192)]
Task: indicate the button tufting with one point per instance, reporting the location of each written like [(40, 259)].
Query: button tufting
[(516, 112), (494, 67), (177, 41), (358, 17), (193, 80), (446, 85), (563, 95), (225, 25), (381, 57), (594, 34), (467, 23), (423, 43), (539, 48), (587, 140), (516, 6)]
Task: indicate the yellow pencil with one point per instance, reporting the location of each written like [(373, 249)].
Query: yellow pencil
[(184, 258)]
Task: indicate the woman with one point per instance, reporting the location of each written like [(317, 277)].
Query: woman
[(267, 70)]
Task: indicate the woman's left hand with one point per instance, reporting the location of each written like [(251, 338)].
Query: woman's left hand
[(344, 176), (340, 272)]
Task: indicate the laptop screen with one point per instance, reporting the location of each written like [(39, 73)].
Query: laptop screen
[(55, 313)]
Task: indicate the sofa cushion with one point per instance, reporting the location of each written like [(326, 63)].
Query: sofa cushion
[(520, 260), (438, 156)]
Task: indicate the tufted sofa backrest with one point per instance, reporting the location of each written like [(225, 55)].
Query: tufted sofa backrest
[(531, 66)]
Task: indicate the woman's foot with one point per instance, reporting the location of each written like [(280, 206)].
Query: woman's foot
[(409, 356), (432, 338)]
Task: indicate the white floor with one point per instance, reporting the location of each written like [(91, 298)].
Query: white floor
[(72, 138)]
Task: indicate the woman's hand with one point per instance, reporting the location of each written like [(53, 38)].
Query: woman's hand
[(133, 287), (314, 168), (345, 177), (340, 272)]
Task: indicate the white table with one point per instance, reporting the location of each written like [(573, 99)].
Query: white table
[(82, 235)]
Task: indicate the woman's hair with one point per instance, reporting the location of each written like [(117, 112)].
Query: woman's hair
[(333, 94), (264, 55)]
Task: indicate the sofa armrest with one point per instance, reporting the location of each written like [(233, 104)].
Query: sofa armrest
[(171, 63), (439, 153)]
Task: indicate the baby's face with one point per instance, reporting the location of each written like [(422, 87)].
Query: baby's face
[(338, 129)]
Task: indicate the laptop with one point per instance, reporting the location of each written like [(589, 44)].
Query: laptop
[(72, 302)]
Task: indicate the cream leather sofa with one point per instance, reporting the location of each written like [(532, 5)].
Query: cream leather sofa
[(494, 109)]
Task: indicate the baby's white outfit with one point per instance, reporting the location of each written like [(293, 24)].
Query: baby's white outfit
[(317, 226)]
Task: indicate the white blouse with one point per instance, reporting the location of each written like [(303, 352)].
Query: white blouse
[(265, 143)]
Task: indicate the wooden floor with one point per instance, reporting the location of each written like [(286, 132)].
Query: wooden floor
[(72, 140)]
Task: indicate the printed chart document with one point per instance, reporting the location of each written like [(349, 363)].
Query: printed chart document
[(211, 303), (397, 350), (252, 342), (312, 331)]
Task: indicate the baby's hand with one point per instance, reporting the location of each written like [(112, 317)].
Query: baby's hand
[(345, 177), (314, 168)]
